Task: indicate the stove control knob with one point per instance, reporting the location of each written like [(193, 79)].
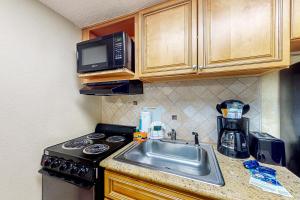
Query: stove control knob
[(47, 162), (83, 171), (64, 166), (55, 163), (74, 169)]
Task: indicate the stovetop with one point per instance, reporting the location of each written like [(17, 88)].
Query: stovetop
[(93, 147), (77, 160)]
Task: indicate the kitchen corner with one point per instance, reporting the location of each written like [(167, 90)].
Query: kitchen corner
[(150, 99), (236, 179)]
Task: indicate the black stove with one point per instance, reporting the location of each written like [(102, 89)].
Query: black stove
[(78, 143), (95, 136), (96, 149), (77, 161), (115, 139)]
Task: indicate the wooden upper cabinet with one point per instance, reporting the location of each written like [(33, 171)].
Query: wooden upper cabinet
[(295, 19), (247, 34), (295, 25), (168, 38), (218, 37)]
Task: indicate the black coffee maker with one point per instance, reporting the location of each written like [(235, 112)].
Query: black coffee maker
[(233, 129)]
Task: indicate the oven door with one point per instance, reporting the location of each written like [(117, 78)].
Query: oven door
[(61, 188), (95, 55)]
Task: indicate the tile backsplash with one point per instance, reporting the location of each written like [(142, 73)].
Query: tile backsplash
[(193, 103)]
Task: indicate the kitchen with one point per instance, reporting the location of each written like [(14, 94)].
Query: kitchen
[(189, 56)]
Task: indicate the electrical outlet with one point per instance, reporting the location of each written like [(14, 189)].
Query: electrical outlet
[(174, 117)]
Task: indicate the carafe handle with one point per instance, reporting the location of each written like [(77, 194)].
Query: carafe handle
[(218, 107), (246, 108)]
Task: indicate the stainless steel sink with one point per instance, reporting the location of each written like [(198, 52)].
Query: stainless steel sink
[(191, 161)]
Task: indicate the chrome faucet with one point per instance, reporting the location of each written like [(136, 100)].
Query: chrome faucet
[(196, 138), (172, 134)]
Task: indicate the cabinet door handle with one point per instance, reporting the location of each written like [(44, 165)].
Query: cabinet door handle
[(194, 67), (200, 67)]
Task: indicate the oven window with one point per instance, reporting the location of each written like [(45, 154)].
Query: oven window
[(93, 55)]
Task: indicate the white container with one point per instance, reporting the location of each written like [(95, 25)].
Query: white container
[(157, 130), (145, 121)]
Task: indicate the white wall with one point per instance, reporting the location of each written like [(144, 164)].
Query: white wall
[(271, 108), (270, 103), (39, 103)]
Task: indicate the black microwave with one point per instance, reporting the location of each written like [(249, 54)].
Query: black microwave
[(108, 52)]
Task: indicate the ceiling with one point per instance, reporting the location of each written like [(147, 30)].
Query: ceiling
[(87, 12)]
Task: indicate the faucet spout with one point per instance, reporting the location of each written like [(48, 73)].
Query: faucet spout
[(196, 138)]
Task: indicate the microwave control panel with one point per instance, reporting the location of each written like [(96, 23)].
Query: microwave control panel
[(119, 49)]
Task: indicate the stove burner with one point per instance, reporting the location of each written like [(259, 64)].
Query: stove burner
[(115, 139), (95, 149), (95, 136), (76, 144)]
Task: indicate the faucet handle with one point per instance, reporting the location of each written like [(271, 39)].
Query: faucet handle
[(172, 134)]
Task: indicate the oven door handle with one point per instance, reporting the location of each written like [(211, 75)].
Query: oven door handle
[(75, 181)]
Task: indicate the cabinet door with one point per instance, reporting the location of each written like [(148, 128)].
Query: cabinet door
[(295, 17), (168, 38), (120, 187), (245, 34)]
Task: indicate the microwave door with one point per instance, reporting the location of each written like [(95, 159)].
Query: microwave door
[(95, 56)]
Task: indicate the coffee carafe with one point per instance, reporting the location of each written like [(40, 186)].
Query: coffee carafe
[(233, 129)]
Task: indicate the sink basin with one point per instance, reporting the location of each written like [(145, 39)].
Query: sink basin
[(191, 161)]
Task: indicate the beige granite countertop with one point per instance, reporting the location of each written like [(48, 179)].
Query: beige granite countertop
[(236, 179)]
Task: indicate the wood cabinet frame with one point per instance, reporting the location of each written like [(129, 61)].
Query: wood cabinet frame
[(112, 75), (200, 50), (295, 19), (278, 57), (295, 25), (121, 187), (190, 34)]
